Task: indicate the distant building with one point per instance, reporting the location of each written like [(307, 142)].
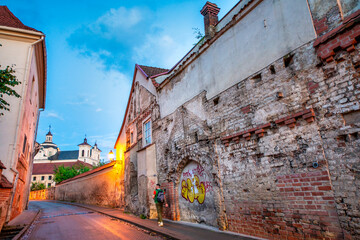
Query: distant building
[(50, 156), (23, 48)]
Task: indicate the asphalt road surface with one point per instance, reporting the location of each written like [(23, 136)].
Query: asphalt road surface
[(66, 222)]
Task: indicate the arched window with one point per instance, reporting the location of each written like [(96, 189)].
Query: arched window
[(82, 153)]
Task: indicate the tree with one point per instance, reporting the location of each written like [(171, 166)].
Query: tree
[(62, 173), (37, 186), (7, 81)]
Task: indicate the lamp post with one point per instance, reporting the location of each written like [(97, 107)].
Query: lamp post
[(111, 155)]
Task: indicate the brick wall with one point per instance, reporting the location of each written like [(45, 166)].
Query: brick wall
[(282, 159), (304, 208), (4, 204)]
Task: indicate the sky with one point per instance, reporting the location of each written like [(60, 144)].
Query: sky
[(92, 49)]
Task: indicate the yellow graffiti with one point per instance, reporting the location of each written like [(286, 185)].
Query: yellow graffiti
[(188, 190)]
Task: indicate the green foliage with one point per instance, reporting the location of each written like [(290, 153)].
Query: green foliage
[(198, 35), (142, 216), (101, 163), (37, 186), (62, 173), (7, 81)]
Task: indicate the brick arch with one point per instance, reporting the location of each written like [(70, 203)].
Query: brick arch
[(209, 164)]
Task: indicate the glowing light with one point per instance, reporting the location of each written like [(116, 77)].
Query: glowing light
[(111, 155)]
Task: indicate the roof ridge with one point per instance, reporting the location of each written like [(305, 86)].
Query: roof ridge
[(11, 20)]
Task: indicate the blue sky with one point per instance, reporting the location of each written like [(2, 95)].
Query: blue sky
[(92, 48)]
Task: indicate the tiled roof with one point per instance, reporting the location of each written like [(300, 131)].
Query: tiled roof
[(4, 183), (48, 168), (65, 155), (8, 19), (2, 166), (152, 71)]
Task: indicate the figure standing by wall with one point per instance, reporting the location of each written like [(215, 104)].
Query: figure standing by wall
[(160, 199)]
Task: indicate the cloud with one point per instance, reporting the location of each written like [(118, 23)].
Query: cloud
[(98, 110), (52, 114), (116, 20), (110, 37)]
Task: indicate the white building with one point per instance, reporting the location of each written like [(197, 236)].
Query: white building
[(50, 156), (50, 153)]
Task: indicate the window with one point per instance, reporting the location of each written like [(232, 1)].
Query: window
[(132, 137), (50, 177), (42, 177), (49, 184), (147, 132), (34, 178), (82, 153), (24, 144)]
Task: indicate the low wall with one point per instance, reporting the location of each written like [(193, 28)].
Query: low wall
[(44, 194), (101, 186)]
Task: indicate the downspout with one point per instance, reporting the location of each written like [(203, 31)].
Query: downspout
[(13, 168)]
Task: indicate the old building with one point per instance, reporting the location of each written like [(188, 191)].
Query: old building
[(23, 48), (256, 129), (50, 156)]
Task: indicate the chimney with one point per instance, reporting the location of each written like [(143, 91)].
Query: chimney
[(210, 12)]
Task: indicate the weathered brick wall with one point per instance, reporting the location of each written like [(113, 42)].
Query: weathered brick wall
[(4, 204), (283, 162)]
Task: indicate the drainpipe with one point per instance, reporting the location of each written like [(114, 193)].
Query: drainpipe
[(16, 138)]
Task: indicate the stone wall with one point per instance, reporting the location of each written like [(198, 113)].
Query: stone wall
[(281, 159), (102, 186), (44, 194)]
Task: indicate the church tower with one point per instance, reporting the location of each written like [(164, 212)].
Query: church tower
[(95, 154), (85, 152)]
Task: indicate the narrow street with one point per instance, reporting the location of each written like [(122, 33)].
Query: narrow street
[(61, 221)]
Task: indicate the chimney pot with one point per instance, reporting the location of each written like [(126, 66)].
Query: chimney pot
[(210, 12)]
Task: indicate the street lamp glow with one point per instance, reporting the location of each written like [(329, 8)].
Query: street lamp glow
[(111, 155)]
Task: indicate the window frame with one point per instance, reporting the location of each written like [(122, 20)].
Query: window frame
[(147, 120)]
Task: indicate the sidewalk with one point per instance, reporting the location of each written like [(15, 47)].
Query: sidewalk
[(171, 229)]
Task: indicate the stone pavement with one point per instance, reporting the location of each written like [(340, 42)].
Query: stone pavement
[(171, 229)]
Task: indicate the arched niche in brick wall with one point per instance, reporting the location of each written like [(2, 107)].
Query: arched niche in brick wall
[(196, 195)]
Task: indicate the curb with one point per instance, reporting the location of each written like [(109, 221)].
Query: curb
[(168, 236), (24, 230)]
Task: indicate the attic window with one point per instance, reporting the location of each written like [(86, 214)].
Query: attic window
[(216, 101), (288, 59), (257, 78), (272, 69)]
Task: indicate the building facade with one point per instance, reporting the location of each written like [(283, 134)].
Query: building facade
[(256, 129), (23, 49), (50, 156)]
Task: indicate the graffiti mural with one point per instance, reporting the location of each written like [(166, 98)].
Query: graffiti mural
[(194, 183)]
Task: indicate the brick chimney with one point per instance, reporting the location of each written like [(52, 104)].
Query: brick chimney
[(210, 12)]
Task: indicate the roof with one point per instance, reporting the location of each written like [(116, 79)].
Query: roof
[(4, 183), (110, 164), (48, 168), (152, 71), (84, 143), (8, 19), (148, 72), (65, 155)]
